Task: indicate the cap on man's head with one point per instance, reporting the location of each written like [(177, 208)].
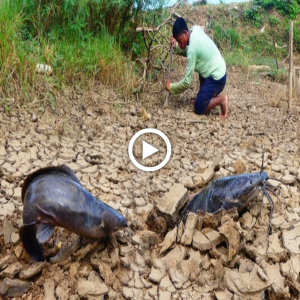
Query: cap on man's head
[(179, 27)]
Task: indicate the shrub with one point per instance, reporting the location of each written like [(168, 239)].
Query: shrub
[(289, 8), (253, 14)]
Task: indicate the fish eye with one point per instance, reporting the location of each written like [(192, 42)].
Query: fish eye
[(250, 181)]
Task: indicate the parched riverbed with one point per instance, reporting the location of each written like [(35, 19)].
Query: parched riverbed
[(227, 257)]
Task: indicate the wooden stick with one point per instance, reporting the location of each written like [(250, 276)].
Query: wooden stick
[(122, 103), (167, 95), (151, 29), (291, 64), (196, 121), (193, 121)]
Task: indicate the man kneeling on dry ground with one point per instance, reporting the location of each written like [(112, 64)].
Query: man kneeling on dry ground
[(203, 57)]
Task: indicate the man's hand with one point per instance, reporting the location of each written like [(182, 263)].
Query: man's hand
[(168, 85)]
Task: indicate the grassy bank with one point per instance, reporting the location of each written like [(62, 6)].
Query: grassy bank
[(255, 33), (87, 42), (76, 54)]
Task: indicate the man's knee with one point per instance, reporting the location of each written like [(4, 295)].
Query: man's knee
[(199, 108), (198, 111)]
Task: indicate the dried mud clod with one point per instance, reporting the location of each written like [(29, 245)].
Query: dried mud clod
[(239, 167), (215, 220), (157, 223), (231, 235)]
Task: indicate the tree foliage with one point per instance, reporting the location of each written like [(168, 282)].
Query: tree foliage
[(288, 8)]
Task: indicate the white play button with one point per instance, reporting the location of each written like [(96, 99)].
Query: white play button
[(148, 150)]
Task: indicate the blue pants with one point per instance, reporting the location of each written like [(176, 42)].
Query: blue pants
[(209, 88)]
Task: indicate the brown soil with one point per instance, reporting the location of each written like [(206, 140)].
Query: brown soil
[(91, 134)]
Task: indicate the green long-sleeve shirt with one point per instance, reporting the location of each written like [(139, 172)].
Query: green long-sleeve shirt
[(203, 56)]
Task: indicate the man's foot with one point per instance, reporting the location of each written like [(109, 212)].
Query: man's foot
[(224, 107)]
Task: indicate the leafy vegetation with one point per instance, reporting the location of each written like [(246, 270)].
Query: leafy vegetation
[(256, 33), (84, 41), (78, 18), (289, 8), (91, 41), (257, 11)]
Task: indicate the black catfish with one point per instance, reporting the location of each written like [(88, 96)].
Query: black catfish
[(233, 191), (53, 196)]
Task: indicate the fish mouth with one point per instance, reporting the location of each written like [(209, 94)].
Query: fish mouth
[(124, 228), (121, 226)]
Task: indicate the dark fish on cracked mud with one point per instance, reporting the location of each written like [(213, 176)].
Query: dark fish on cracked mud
[(53, 196), (233, 192)]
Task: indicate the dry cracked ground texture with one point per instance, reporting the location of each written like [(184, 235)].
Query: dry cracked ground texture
[(229, 256)]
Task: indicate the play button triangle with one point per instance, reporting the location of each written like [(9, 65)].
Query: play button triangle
[(148, 150)]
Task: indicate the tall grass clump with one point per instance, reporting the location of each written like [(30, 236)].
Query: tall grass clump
[(11, 22), (84, 41), (227, 39), (94, 59)]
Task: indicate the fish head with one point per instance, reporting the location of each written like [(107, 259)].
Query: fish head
[(111, 222), (255, 180), (123, 224), (246, 186), (264, 176)]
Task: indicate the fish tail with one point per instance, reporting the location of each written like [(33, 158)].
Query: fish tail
[(32, 246)]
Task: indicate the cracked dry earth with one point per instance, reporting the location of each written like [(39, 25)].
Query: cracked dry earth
[(228, 256)]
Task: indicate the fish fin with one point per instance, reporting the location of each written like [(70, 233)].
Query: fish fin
[(32, 246), (62, 170), (44, 232), (48, 214)]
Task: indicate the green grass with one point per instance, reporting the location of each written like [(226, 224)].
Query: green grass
[(97, 58), (237, 58), (11, 21), (76, 57), (84, 41), (245, 37)]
